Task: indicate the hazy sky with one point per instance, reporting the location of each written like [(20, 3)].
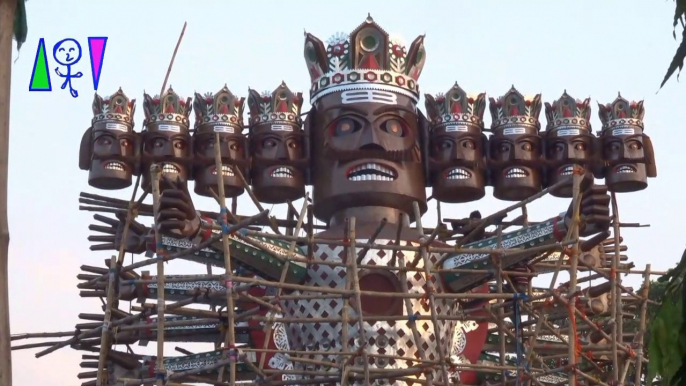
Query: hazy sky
[(590, 48)]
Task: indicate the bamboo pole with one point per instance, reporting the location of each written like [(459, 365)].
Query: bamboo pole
[(230, 339), (574, 259), (7, 8), (616, 279), (155, 173), (645, 292)]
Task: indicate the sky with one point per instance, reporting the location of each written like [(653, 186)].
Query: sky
[(589, 48)]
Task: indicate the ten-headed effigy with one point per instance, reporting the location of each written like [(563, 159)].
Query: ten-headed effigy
[(375, 296)]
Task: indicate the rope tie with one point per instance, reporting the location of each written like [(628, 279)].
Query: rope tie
[(412, 318)]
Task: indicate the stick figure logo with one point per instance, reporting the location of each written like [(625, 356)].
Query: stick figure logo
[(68, 52)]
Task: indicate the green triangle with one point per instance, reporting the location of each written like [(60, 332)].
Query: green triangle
[(40, 77)]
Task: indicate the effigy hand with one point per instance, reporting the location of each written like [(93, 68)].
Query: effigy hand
[(594, 212), (176, 215), (136, 238)]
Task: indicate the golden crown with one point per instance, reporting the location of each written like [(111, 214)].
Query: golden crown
[(219, 112), (280, 107), (167, 112), (621, 114), (569, 114), (514, 110), (366, 59), (456, 108), (116, 112)]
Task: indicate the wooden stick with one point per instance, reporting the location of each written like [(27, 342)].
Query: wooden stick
[(171, 63), (645, 292), (155, 173), (7, 10), (616, 280), (230, 340), (574, 259), (352, 260)]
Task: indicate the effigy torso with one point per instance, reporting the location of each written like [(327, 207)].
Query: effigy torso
[(392, 337)]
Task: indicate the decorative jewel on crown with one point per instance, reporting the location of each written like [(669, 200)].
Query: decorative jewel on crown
[(116, 112), (278, 107), (456, 107), (170, 108), (514, 110), (621, 114), (219, 112), (367, 59), (568, 113)]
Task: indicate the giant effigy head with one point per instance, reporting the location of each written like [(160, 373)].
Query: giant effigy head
[(277, 145), (628, 158), (458, 146), (166, 137), (219, 114), (365, 131), (109, 147), (515, 148), (568, 142)]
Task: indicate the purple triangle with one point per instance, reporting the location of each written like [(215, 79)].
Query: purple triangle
[(96, 46)]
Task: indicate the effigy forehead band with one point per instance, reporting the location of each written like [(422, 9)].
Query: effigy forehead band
[(116, 127), (568, 132), (369, 96), (375, 88), (281, 127), (514, 131), (624, 131), (170, 128), (457, 128)]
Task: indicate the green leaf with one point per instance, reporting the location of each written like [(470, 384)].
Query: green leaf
[(21, 28)]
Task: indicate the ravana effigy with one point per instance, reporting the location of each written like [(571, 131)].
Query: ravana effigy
[(367, 298)]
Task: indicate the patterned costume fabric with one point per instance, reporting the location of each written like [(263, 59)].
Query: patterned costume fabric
[(384, 337)]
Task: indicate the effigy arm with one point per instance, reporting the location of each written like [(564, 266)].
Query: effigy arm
[(548, 232)]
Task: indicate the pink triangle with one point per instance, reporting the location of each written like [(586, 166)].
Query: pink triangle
[(96, 46)]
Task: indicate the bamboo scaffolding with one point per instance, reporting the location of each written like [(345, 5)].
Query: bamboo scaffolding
[(585, 363)]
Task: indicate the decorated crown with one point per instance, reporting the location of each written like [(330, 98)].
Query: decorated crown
[(116, 112), (514, 110), (167, 112), (568, 114), (219, 113), (367, 59), (621, 114), (280, 107), (456, 108)]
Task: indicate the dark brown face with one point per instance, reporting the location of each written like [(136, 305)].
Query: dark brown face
[(566, 147), (365, 154), (109, 156), (625, 155), (514, 161), (458, 171), (205, 174), (170, 150), (278, 160)]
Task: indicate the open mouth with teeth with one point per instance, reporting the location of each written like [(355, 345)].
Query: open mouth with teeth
[(515, 173), (226, 171), (118, 166), (282, 172), (566, 170), (371, 172), (458, 174), (170, 169), (622, 169)]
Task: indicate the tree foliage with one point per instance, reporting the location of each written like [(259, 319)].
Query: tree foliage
[(667, 350), (680, 55), (20, 29)]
